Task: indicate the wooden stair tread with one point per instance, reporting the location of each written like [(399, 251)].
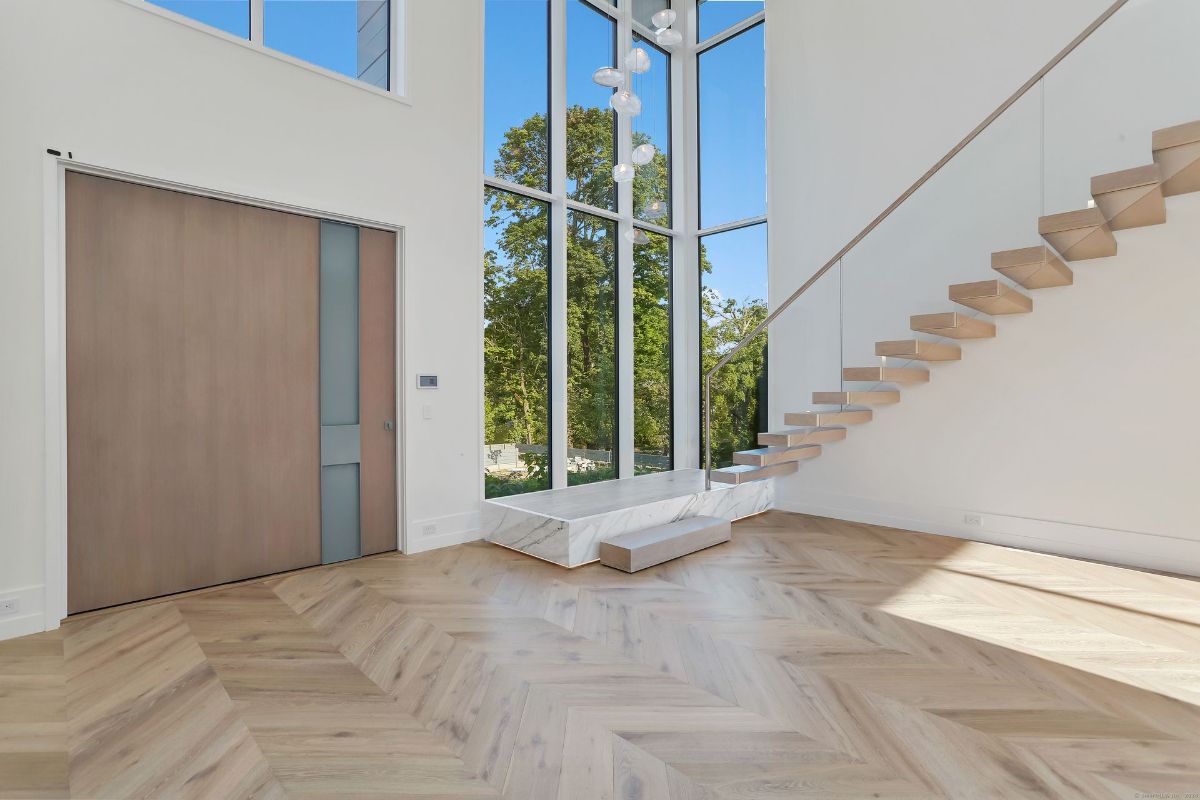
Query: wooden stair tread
[(1071, 220), (1177, 154), (822, 418), (1079, 235), (796, 437), (873, 398), (991, 297), (1033, 267), (1145, 175), (1176, 135), (919, 350), (886, 374), (638, 550), (1131, 198), (744, 473), (766, 456), (953, 325)]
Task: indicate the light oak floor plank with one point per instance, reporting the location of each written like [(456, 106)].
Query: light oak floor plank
[(808, 657)]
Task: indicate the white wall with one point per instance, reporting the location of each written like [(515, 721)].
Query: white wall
[(125, 88), (1070, 432)]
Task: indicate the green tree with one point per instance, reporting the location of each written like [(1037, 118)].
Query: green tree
[(739, 388), (516, 283), (516, 328), (652, 347)]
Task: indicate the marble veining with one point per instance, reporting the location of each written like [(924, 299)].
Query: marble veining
[(567, 525)]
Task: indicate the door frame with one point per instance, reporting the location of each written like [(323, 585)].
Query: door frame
[(54, 174)]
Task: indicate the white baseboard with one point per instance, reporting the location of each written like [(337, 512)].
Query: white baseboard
[(448, 530), (1126, 548), (30, 616)]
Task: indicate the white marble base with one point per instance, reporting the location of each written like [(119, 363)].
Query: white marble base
[(567, 525)]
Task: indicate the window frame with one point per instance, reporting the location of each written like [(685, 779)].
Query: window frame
[(397, 38), (550, 363), (696, 49), (684, 447)]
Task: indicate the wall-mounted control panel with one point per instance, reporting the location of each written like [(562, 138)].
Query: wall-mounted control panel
[(427, 381)]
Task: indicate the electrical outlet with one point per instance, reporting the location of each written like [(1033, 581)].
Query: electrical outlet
[(973, 520), (10, 606), (429, 530)]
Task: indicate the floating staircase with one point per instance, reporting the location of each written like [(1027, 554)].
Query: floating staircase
[(1131, 198)]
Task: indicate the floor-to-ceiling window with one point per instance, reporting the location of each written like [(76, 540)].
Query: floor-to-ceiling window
[(516, 343), (517, 249), (591, 348), (652, 375), (578, 285), (732, 210)]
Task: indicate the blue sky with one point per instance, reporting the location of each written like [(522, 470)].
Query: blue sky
[(733, 166), (324, 32)]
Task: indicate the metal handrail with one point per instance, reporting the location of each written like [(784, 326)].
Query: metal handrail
[(887, 212)]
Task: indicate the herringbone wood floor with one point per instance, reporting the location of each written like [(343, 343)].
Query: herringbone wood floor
[(806, 658)]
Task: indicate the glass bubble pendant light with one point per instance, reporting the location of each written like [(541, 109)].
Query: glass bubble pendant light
[(637, 236), (609, 76), (643, 154), (638, 61), (668, 37), (626, 102), (623, 173), (656, 210), (663, 19)]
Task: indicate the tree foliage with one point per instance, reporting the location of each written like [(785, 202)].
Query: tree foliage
[(517, 370), (739, 388)]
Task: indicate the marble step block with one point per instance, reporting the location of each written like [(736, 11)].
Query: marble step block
[(566, 526), (636, 551)]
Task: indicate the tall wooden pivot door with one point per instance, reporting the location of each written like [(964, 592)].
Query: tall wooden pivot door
[(193, 392)]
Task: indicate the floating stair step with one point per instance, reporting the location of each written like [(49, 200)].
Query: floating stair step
[(744, 473), (796, 437), (953, 325), (1033, 267), (885, 375), (822, 418), (1079, 235), (919, 350), (1177, 154), (991, 297), (638, 550), (882, 398), (766, 456), (1131, 198)]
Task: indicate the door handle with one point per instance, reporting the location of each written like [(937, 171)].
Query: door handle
[(388, 425)]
